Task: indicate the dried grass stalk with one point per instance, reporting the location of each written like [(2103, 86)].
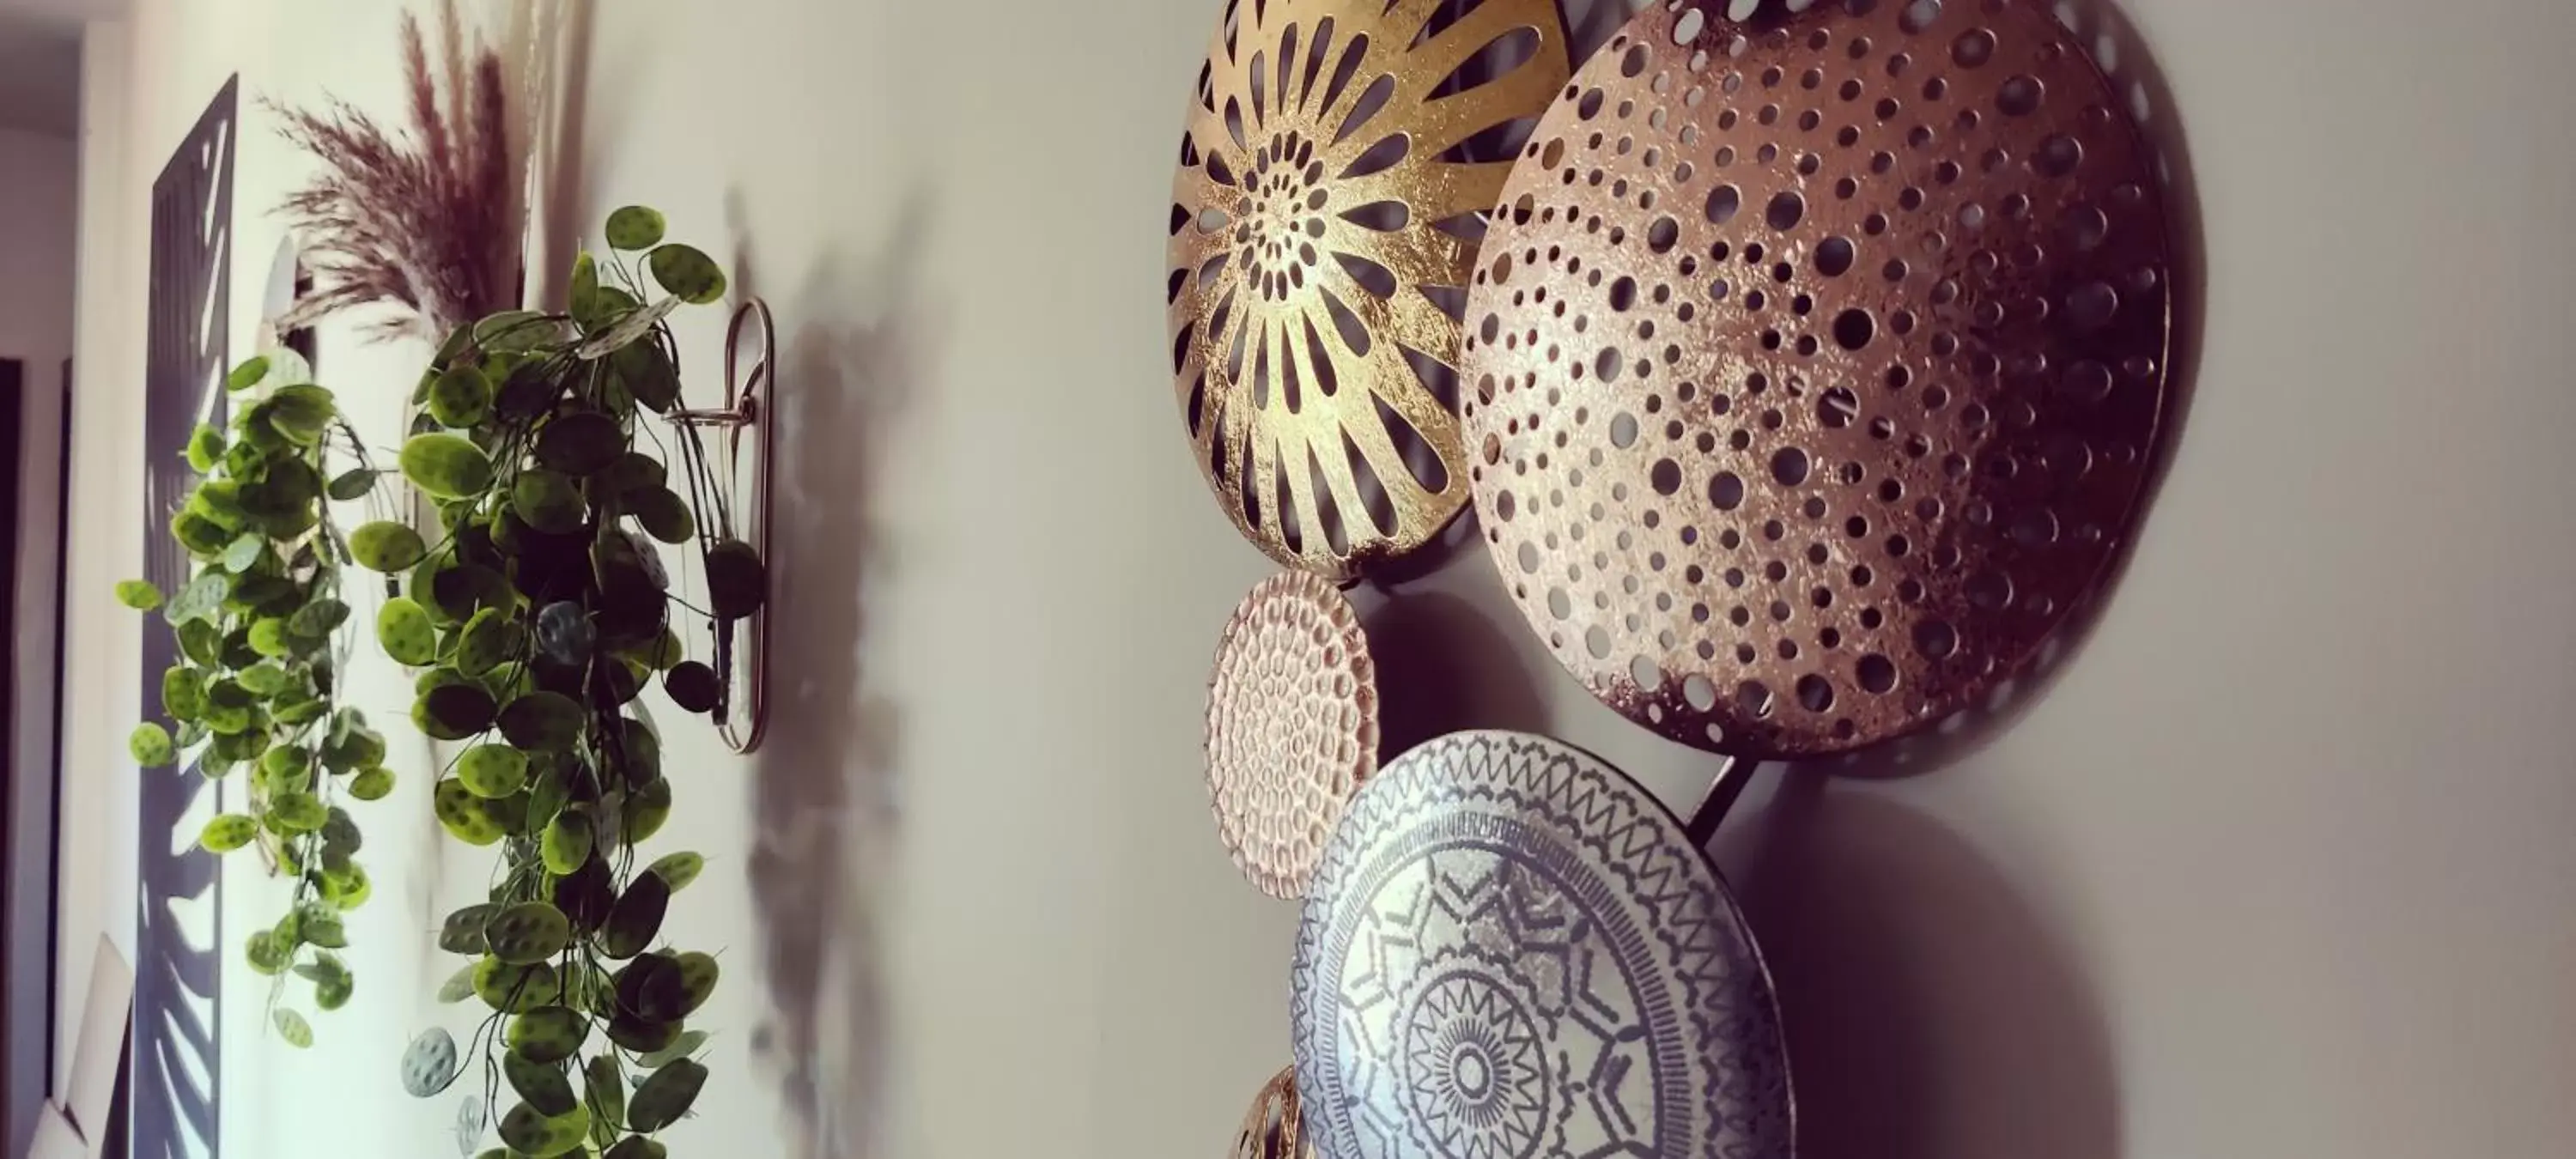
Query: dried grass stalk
[(430, 221)]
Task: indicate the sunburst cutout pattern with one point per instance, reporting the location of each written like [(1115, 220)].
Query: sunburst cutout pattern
[(1325, 221)]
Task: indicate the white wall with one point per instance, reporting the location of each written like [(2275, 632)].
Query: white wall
[(2274, 866)]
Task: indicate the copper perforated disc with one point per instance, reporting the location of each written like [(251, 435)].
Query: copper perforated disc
[(1273, 1129), (1322, 201), (1816, 363), (1292, 727)]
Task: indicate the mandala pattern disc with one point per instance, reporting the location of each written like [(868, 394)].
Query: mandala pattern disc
[(1322, 227), (1816, 362), (1292, 727), (1512, 952)]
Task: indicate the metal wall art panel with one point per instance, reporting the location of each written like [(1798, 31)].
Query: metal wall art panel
[(177, 1067), (1274, 1128), (1512, 950), (1292, 727), (1816, 362), (1328, 195)]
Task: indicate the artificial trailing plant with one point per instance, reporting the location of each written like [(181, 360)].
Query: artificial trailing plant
[(535, 622), (256, 688)]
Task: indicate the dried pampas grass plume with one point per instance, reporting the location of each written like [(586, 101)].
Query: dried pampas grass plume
[(431, 221)]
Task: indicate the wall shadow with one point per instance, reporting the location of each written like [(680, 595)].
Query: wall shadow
[(1931, 1014), (1443, 666), (826, 784)]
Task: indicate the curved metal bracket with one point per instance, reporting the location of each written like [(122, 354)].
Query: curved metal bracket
[(748, 396)]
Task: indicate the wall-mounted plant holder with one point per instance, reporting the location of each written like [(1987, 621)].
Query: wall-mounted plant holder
[(740, 719)]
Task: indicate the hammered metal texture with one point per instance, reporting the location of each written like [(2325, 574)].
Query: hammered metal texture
[(1273, 1129), (1815, 364), (1323, 200), (1512, 950), (1292, 727)]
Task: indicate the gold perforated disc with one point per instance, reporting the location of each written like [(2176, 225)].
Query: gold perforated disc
[(1292, 727), (1815, 363), (1327, 192), (1272, 1129)]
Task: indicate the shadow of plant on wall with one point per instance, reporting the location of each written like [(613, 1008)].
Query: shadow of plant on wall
[(827, 784), (1931, 1013)]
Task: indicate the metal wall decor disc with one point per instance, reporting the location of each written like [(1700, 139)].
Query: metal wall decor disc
[(1321, 229), (1815, 363), (1513, 951), (1273, 1128), (1292, 727)]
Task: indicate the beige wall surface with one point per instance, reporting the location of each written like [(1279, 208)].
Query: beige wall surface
[(2275, 863)]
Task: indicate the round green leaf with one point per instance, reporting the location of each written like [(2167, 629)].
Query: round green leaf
[(604, 1090), (205, 448), (464, 816), (429, 1063), (247, 375), (582, 443), (351, 889), (677, 870), (292, 1027), (301, 413), (243, 553), (666, 1097), (737, 583), (528, 932), (636, 1147), (353, 485), (541, 1083), (462, 932), (266, 957), (662, 515), (492, 771), (151, 746), (583, 299), (454, 711), (461, 397), (270, 638), (567, 843), (645, 811), (487, 640), (633, 472), (405, 631), (687, 273), (646, 372), (229, 708), (565, 633), (548, 1034), (319, 618), (641, 1035), (635, 228), (334, 991), (183, 693), (140, 595), (229, 832), (693, 686), (547, 501), (532, 1133), (680, 1048), (637, 918), (372, 785), (698, 974), (542, 722), (447, 466), (298, 812), (202, 599), (460, 591), (458, 987), (386, 546), (514, 989)]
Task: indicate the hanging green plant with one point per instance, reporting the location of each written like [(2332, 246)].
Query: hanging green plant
[(255, 696), (536, 620)]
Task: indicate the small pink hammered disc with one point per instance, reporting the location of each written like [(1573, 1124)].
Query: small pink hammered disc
[(1292, 727)]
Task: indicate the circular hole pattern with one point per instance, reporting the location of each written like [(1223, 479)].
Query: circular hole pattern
[(1815, 464)]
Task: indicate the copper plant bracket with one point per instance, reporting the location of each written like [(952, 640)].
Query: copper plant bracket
[(747, 399)]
